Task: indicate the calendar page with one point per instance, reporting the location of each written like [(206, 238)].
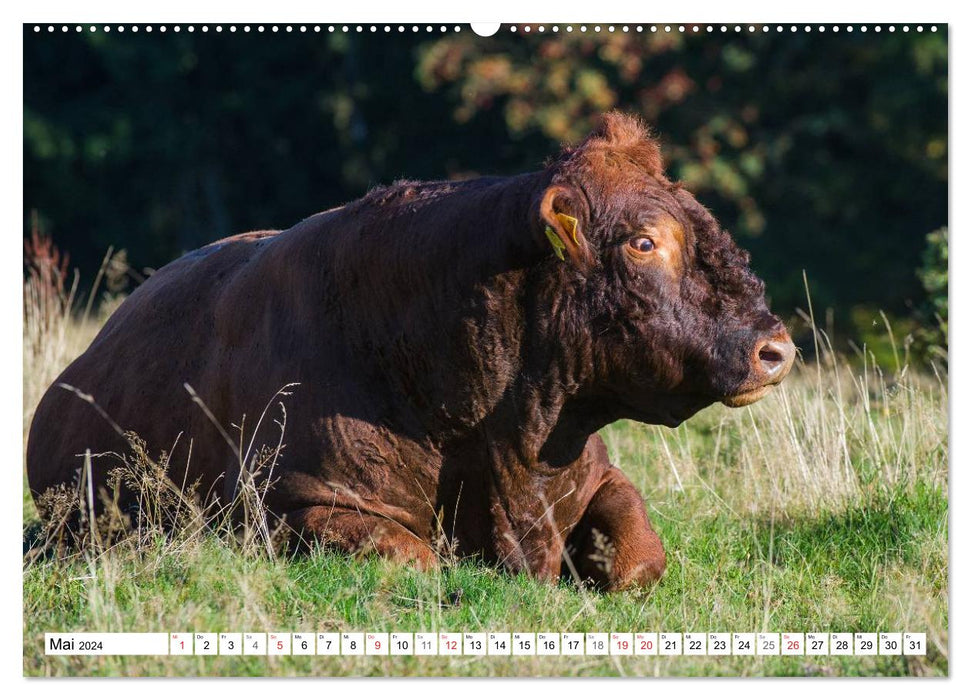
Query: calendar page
[(515, 349)]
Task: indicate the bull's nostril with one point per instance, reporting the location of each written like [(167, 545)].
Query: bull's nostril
[(770, 356), (775, 358)]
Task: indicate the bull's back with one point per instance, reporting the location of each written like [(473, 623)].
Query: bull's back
[(170, 332)]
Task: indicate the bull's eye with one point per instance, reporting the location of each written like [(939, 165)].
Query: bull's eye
[(641, 244)]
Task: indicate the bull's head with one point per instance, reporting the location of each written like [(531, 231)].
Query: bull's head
[(661, 300)]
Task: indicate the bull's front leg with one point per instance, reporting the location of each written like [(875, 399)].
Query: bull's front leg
[(614, 545), (527, 539), (524, 533)]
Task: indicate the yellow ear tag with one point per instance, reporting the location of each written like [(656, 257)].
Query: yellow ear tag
[(570, 224), (558, 245)]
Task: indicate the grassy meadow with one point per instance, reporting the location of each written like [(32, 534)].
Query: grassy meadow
[(821, 508)]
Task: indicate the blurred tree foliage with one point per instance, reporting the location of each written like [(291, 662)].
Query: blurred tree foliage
[(931, 336), (822, 152)]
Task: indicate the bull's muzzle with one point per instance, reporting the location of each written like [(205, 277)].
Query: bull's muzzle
[(771, 362)]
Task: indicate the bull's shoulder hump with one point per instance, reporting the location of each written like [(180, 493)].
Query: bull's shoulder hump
[(404, 193)]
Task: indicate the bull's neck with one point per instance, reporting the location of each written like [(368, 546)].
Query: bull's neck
[(550, 404), (555, 404)]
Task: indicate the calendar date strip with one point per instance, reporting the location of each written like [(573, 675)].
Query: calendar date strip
[(486, 644)]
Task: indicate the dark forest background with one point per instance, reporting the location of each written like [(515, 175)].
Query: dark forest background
[(825, 153)]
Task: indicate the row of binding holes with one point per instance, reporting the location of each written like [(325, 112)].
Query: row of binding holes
[(387, 29), (709, 28), (302, 28)]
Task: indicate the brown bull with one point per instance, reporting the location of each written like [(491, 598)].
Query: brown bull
[(456, 347)]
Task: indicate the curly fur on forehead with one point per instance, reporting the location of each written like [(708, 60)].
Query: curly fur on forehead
[(620, 148)]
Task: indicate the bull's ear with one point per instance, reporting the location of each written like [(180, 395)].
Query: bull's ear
[(561, 214)]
